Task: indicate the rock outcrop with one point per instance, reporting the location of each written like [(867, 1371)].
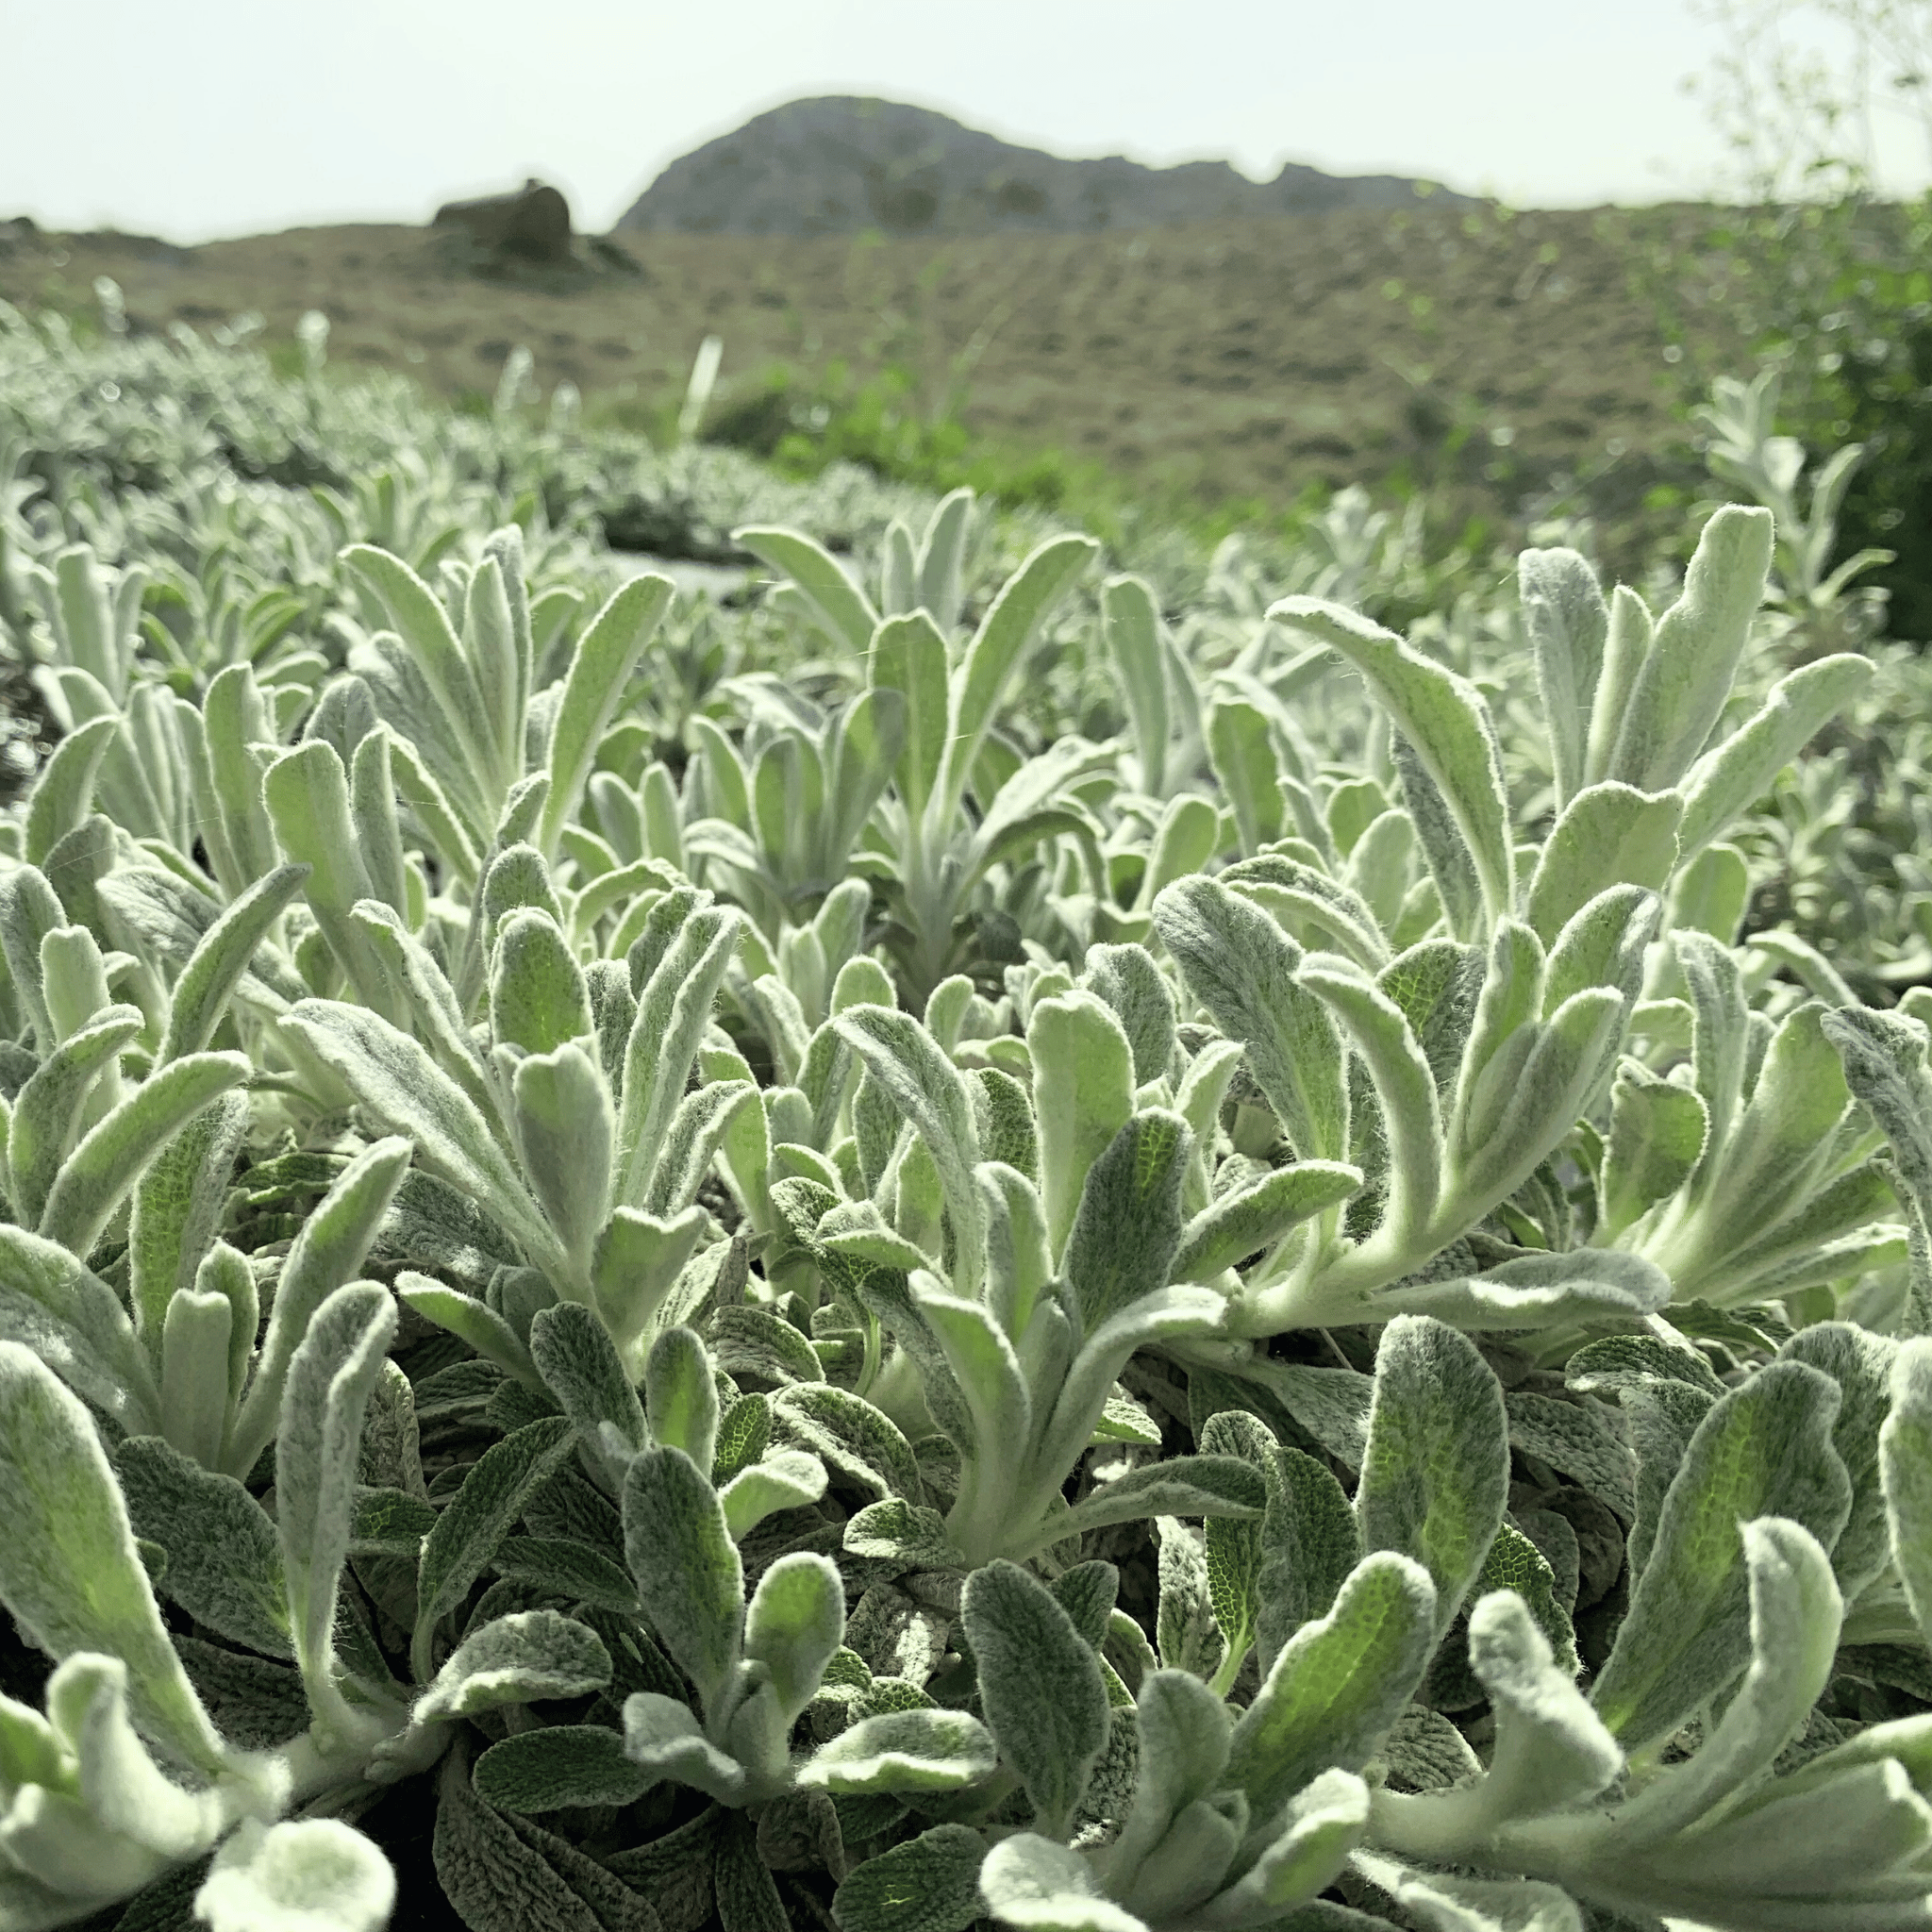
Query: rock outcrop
[(842, 164), (531, 225)]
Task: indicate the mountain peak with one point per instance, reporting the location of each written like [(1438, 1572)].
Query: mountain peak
[(842, 163)]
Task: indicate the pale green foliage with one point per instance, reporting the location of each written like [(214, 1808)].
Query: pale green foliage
[(952, 1243)]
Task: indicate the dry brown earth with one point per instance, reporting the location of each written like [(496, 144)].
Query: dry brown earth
[(1242, 359)]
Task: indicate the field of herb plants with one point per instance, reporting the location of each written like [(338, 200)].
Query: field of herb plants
[(959, 1233)]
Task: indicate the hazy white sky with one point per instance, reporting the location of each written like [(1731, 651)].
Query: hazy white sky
[(222, 117)]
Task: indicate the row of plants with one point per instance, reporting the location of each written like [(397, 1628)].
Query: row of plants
[(976, 1239)]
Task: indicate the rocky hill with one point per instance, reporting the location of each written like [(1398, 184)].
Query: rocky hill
[(838, 165)]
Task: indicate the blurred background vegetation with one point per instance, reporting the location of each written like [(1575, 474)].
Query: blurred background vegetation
[(1484, 372)]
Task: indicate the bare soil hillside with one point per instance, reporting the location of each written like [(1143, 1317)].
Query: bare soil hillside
[(1238, 358)]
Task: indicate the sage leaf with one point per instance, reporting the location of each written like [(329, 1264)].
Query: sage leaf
[(225, 1558), (1681, 686), (1021, 1640), (96, 1176), (69, 1572), (1764, 1450), (686, 1567), (267, 1877), (560, 1767), (1240, 965), (795, 1620), (1128, 1227), (1435, 1473), (330, 1377), (1338, 1683), (903, 1751), (927, 1884), (477, 1519), (1443, 718), (525, 1658)]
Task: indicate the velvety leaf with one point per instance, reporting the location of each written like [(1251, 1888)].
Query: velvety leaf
[(1737, 771), (216, 966), (904, 1751), (795, 1620), (386, 1522), (48, 1111), (177, 1204), (842, 609), (1010, 624), (1240, 965), (397, 1082), (560, 1767), (1324, 1822), (330, 1377), (1568, 621), (1180, 1485), (681, 1395), (477, 1518), (1764, 1450), (1088, 1592), (1083, 1094), (1658, 1130), (1609, 834), (748, 1898), (538, 998), (781, 1479), (69, 1570), (1131, 622), (564, 1132), (927, 1884), (580, 1366), (572, 1569), (1536, 1291), (907, 1065), (62, 794), (1184, 1731), (665, 1741), (1905, 1451), (895, 1530), (1443, 718), (1795, 1608), (860, 1444), (908, 656), (327, 1255), (1021, 1640), (224, 1561), (754, 1341), (1142, 1000), (686, 1567), (1681, 686), (1861, 1364), (1436, 1470), (526, 1659), (1128, 1227), (1338, 1683), (1309, 1542), (73, 1321), (1038, 1885), (1405, 1088), (94, 1179), (599, 670), (1241, 1223), (1440, 1902), (301, 1876)]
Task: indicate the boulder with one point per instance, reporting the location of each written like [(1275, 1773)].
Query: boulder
[(532, 223)]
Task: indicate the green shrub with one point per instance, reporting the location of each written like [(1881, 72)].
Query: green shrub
[(705, 1240)]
